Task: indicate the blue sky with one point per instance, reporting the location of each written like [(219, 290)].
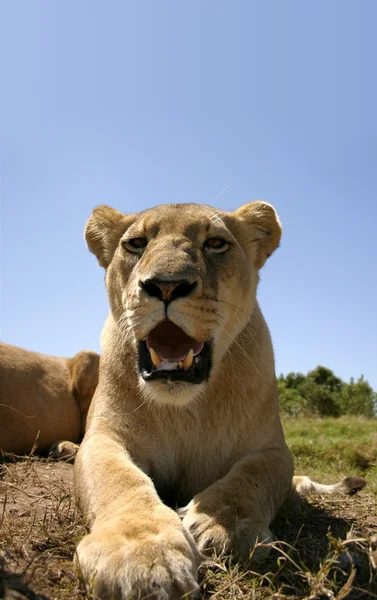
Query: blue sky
[(135, 104)]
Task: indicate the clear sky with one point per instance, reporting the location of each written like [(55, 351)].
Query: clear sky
[(135, 104)]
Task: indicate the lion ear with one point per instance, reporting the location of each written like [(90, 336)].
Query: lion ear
[(84, 370), (259, 226), (103, 231)]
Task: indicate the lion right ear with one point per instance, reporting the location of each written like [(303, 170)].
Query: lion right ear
[(103, 231), (259, 226)]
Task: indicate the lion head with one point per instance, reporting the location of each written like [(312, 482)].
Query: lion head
[(181, 282)]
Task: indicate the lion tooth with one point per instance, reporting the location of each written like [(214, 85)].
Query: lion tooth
[(180, 365), (188, 360), (155, 358)]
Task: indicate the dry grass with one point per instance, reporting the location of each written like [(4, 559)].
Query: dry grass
[(39, 528), (327, 547)]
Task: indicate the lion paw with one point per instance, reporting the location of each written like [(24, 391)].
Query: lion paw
[(159, 566), (220, 532), (63, 451)]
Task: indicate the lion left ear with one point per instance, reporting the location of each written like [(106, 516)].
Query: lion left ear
[(84, 371), (259, 223)]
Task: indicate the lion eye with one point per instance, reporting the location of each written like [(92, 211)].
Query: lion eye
[(216, 244), (135, 244)]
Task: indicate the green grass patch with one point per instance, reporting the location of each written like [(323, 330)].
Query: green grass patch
[(332, 448)]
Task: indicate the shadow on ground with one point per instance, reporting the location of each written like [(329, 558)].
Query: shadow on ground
[(12, 586)]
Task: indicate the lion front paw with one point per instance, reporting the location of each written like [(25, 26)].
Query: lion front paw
[(221, 531), (64, 450), (160, 566)]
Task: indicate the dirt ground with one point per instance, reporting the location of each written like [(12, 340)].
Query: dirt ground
[(327, 548)]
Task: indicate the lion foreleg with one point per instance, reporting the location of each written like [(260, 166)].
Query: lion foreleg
[(234, 513), (137, 545)]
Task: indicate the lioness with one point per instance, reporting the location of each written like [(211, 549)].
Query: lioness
[(186, 411), (44, 399)]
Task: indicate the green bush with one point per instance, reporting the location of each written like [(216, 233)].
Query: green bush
[(358, 398), (322, 393)]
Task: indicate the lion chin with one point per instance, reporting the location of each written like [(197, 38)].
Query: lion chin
[(171, 391)]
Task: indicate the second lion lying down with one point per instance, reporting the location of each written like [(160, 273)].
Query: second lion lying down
[(44, 399), (186, 411)]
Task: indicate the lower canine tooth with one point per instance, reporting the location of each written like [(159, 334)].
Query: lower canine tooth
[(155, 358), (188, 360), (180, 365)]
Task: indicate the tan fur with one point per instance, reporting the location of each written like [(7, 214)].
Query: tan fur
[(215, 449), (348, 486), (43, 398)]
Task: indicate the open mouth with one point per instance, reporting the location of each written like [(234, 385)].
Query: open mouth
[(169, 353)]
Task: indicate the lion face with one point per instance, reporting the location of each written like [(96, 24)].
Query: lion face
[(181, 283)]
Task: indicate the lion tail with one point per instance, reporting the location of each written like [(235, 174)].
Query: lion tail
[(349, 486)]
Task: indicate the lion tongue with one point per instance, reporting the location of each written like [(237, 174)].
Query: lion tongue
[(171, 343)]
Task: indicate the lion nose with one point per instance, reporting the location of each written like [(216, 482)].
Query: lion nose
[(167, 290)]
